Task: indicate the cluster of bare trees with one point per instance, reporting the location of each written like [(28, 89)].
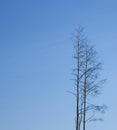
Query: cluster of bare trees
[(87, 81)]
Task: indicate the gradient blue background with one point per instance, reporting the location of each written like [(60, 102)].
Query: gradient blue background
[(36, 50)]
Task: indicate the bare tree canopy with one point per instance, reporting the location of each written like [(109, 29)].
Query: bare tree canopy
[(87, 80)]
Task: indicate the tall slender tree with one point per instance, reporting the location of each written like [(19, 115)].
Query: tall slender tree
[(86, 80)]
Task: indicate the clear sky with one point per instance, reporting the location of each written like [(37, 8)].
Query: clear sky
[(36, 50)]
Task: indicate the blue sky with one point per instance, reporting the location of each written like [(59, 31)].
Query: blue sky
[(36, 50)]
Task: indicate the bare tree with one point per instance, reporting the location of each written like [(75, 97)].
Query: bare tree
[(86, 80)]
